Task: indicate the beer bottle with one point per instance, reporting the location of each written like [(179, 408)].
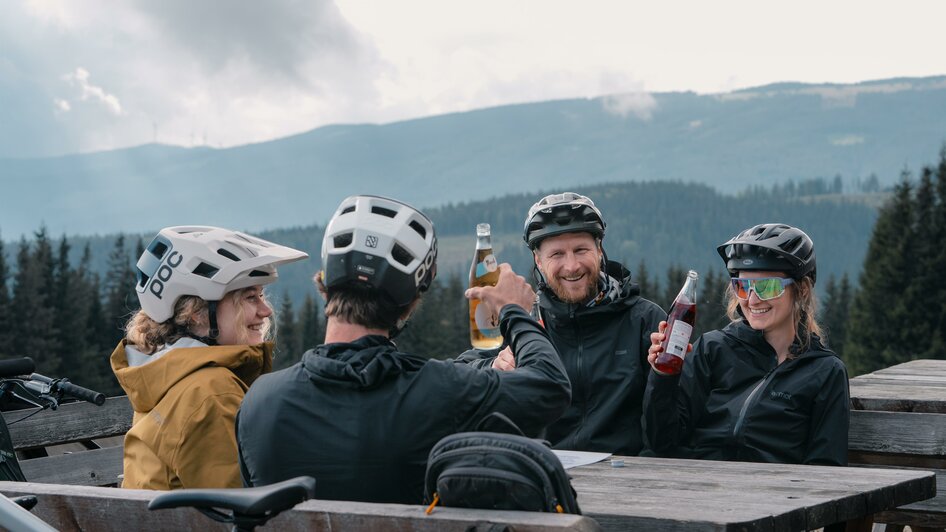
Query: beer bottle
[(484, 323), (680, 323)]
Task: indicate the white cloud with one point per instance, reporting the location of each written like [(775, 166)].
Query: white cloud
[(80, 78), (62, 105), (640, 104)]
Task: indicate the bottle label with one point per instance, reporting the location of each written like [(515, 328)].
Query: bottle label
[(487, 266), (679, 338), (486, 321)]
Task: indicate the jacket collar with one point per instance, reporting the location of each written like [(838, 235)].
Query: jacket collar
[(365, 363)]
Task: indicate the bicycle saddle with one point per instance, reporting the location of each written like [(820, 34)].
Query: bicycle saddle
[(259, 501)]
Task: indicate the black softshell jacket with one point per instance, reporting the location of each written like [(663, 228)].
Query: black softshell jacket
[(361, 417), (732, 402), (604, 351)]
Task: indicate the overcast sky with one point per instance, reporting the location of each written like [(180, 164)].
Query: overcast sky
[(94, 74)]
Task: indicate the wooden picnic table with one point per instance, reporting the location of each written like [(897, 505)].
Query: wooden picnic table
[(915, 386), (898, 418), (674, 494)]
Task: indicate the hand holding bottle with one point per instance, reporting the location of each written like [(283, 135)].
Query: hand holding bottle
[(656, 345), (510, 289), (505, 360)]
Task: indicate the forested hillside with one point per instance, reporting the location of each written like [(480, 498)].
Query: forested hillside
[(63, 301)]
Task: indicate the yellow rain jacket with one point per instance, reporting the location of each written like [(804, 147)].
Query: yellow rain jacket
[(185, 399)]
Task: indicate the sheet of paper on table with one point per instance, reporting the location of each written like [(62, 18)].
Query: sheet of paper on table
[(572, 459)]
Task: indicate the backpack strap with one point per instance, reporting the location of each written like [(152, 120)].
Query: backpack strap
[(498, 422)]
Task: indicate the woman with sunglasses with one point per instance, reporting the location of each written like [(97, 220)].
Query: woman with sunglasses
[(765, 388)]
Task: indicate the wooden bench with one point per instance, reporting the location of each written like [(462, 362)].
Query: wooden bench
[(38, 438), (898, 419), (70, 508)]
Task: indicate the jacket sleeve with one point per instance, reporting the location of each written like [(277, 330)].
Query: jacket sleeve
[(533, 395), (478, 358), (830, 420), (672, 404), (207, 456)]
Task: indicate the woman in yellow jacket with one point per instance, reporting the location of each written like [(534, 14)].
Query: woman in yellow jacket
[(191, 352)]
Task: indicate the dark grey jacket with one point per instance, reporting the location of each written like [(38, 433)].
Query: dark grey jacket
[(733, 402), (362, 417), (604, 351)]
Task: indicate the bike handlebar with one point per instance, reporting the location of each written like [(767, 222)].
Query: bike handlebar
[(74, 390)]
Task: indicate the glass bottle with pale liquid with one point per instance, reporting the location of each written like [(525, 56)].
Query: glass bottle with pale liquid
[(680, 322), (484, 323)]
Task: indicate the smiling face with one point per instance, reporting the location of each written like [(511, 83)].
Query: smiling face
[(570, 263), (771, 315), (243, 317)]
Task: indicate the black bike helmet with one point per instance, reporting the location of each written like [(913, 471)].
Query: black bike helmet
[(557, 214), (771, 247), (383, 243)]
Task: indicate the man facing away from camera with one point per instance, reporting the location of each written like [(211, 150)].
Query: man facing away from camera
[(361, 416)]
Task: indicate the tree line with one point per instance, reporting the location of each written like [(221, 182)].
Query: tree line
[(68, 316)]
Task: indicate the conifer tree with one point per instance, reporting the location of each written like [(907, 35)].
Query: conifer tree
[(876, 317), (6, 323), (288, 338), (711, 302), (917, 296), (33, 305), (120, 298), (312, 333), (648, 288)]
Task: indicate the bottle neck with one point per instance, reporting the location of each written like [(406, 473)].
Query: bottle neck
[(483, 241)]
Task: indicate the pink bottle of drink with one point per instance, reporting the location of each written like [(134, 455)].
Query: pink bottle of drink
[(680, 322)]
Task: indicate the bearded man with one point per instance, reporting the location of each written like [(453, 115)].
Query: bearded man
[(598, 322)]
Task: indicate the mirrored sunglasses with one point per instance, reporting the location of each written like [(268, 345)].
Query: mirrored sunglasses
[(766, 288)]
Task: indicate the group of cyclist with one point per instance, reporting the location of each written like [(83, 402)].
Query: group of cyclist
[(361, 416)]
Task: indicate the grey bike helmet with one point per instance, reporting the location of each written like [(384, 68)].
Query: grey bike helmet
[(207, 262), (383, 243), (771, 247), (557, 214)]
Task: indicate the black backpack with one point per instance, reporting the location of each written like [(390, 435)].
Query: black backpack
[(497, 471)]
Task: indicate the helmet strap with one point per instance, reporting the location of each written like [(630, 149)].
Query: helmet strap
[(211, 338)]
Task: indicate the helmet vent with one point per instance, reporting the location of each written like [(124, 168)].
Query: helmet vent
[(401, 255), (142, 278), (158, 249), (228, 255), (383, 211), (343, 241), (205, 270), (419, 228), (348, 210), (258, 273)]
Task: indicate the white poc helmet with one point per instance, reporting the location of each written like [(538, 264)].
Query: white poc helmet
[(206, 262), (381, 242)]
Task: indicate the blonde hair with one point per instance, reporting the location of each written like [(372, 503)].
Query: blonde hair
[(190, 313), (804, 308)]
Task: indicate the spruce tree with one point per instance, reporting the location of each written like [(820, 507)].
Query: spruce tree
[(6, 322), (711, 302), (120, 298), (288, 338), (310, 322), (876, 324), (36, 335)]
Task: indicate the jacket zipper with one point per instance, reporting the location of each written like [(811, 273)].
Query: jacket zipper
[(581, 343), (740, 421)]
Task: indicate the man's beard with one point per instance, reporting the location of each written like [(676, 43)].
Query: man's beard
[(591, 287)]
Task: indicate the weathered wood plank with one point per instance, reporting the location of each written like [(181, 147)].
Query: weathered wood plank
[(733, 496), (98, 467), (898, 432), (71, 508), (70, 423)]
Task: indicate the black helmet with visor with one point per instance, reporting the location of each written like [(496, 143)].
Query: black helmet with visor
[(771, 247), (557, 214)]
